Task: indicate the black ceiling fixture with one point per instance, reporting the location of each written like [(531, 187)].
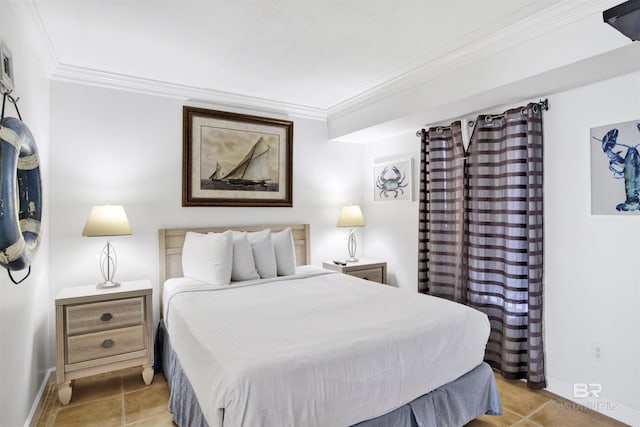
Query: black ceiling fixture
[(625, 18)]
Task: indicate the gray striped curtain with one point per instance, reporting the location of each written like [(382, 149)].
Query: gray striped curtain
[(481, 231), (443, 214)]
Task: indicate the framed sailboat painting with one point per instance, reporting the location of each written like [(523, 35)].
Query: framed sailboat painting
[(232, 159)]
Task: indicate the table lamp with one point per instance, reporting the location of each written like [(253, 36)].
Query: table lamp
[(351, 216), (107, 221)]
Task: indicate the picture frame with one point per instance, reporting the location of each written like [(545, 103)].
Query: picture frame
[(232, 159), (393, 180), (6, 68), (615, 161)]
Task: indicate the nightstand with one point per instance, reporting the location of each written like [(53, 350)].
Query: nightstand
[(102, 330), (375, 271)]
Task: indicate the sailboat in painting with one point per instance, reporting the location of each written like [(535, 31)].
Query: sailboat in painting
[(252, 170)]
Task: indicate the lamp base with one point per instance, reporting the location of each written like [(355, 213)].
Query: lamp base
[(351, 246), (108, 284), (108, 264)]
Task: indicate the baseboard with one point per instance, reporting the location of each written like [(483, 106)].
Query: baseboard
[(37, 407), (602, 405)]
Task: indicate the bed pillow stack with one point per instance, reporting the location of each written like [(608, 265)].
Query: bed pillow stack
[(208, 257), (219, 258)]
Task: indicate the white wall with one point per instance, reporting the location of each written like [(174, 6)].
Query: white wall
[(591, 280), (124, 147), (23, 308), (391, 231)]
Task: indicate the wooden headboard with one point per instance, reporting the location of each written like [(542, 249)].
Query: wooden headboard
[(172, 239)]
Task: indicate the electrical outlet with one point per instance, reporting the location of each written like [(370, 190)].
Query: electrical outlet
[(597, 352)]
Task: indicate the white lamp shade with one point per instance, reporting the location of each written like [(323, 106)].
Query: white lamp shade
[(351, 216), (107, 220)]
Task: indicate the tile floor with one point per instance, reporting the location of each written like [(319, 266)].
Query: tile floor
[(122, 399), (523, 407), (116, 399)]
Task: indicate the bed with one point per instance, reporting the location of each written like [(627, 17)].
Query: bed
[(314, 347)]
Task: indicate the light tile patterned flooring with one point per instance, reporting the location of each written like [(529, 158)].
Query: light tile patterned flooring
[(523, 407), (122, 399), (115, 399)]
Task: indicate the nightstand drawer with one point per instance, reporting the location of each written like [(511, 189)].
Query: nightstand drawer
[(81, 348), (100, 316), (373, 274)]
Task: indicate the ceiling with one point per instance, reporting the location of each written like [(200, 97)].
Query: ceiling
[(314, 54)]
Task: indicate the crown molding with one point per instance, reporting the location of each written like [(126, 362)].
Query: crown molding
[(31, 23), (561, 14), (74, 74)]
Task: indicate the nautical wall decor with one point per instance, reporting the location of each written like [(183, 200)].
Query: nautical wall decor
[(615, 169), (393, 180), (20, 193), (231, 159)]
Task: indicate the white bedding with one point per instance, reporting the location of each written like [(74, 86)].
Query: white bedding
[(317, 348)]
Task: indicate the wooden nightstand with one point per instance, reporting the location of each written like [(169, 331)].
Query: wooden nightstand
[(102, 330), (375, 271)]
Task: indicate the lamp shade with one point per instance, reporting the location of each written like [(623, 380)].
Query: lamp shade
[(107, 220), (351, 216)]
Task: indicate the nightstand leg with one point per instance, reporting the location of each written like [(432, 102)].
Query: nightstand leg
[(147, 374), (64, 392)]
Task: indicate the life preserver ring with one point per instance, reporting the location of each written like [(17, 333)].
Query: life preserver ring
[(21, 213)]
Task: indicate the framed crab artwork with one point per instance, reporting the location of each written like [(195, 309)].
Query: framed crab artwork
[(615, 169), (393, 180)]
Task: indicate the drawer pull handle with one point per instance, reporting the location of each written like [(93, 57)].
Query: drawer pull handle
[(106, 317), (107, 343)]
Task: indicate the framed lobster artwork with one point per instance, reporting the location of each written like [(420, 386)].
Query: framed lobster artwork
[(615, 169)]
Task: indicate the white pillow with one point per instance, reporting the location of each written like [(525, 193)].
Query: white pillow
[(243, 267), (208, 257), (263, 253), (285, 251)]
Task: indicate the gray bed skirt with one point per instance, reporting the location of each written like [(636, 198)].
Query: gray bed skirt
[(452, 405)]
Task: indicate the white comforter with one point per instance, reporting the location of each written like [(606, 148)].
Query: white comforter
[(320, 349)]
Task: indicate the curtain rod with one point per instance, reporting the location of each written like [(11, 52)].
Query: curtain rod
[(543, 104)]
